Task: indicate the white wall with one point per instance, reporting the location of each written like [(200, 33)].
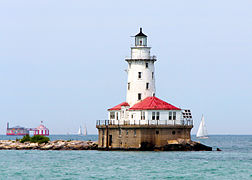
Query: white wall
[(138, 85), (140, 52)]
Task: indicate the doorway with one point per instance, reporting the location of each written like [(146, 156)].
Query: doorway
[(110, 140)]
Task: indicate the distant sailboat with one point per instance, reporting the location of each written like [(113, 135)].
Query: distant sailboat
[(85, 130), (202, 131), (80, 131)]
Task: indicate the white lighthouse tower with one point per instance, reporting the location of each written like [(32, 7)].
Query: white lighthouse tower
[(141, 76), (143, 119)]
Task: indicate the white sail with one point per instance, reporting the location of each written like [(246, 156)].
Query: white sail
[(85, 130), (80, 131), (202, 131)]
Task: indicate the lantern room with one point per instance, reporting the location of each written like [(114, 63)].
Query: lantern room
[(140, 39)]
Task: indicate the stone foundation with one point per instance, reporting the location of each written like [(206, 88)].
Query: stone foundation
[(141, 136)]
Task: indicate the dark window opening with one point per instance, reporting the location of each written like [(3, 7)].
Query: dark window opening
[(139, 96), (157, 118), (152, 75), (142, 115), (170, 115), (128, 86), (174, 115), (147, 85), (173, 132), (112, 115), (139, 75), (146, 65), (157, 132), (153, 115)]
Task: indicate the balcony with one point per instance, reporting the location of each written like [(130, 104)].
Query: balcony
[(151, 58), (183, 122)]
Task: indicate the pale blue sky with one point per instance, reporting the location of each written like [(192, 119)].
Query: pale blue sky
[(63, 61)]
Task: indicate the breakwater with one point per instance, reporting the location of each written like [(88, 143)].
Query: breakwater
[(51, 145), (93, 145)]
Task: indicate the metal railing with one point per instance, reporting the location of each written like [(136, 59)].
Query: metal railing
[(184, 122)]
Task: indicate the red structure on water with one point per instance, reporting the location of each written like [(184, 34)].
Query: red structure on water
[(22, 131), (16, 131), (41, 130)]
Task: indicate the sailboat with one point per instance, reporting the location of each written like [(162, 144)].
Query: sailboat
[(85, 130), (202, 131), (80, 131)]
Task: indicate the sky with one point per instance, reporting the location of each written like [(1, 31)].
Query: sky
[(63, 62)]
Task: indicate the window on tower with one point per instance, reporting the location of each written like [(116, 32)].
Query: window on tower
[(152, 75), (147, 85), (139, 75), (128, 86), (139, 96), (146, 65)]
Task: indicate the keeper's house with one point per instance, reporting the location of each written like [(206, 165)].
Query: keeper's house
[(143, 121)]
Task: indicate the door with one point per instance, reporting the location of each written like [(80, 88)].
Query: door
[(110, 140)]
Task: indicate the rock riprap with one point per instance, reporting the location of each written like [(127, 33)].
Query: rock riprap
[(51, 145), (92, 145)]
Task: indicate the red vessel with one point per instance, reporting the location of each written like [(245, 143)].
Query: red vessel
[(16, 131)]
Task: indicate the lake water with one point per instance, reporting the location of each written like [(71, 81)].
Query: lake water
[(234, 162)]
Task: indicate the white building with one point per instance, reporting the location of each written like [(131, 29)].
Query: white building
[(141, 106)]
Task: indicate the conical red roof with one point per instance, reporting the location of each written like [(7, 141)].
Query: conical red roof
[(153, 103), (119, 106)]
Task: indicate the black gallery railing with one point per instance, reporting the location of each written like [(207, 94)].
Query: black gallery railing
[(185, 122)]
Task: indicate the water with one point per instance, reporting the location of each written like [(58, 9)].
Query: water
[(234, 162)]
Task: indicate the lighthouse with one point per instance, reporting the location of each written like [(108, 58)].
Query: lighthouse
[(141, 76), (143, 120)]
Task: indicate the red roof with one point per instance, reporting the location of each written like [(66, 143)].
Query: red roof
[(41, 127), (153, 103), (118, 107)]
